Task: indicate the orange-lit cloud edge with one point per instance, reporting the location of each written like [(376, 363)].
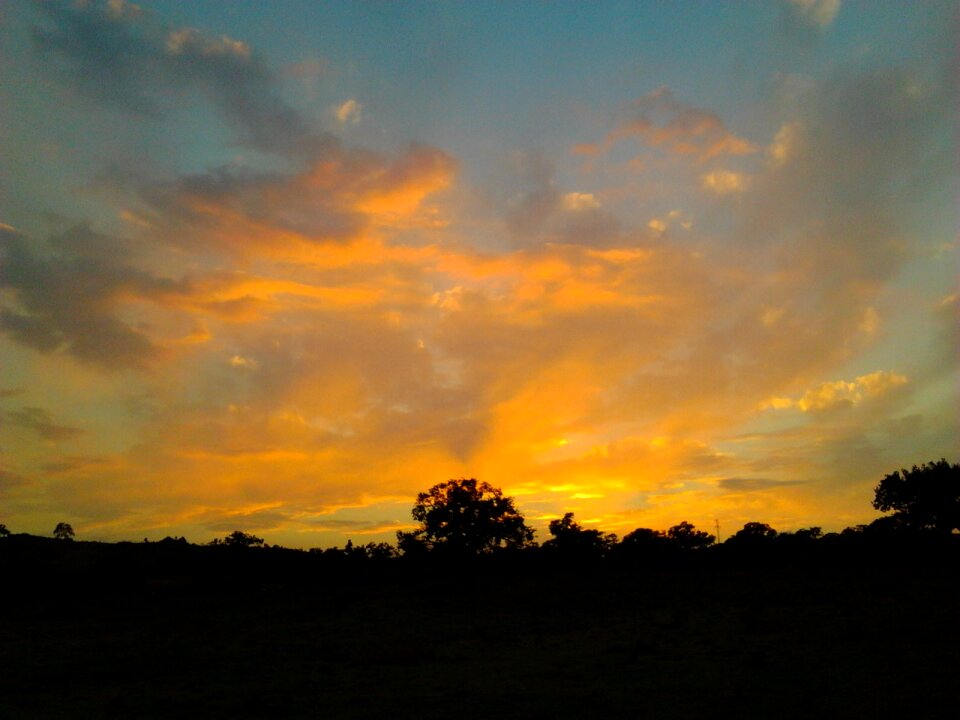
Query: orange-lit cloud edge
[(297, 354)]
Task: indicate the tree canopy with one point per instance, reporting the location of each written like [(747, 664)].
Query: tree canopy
[(572, 539), (926, 497), (753, 533), (686, 537), (465, 516), (644, 540), (63, 531), (239, 539)]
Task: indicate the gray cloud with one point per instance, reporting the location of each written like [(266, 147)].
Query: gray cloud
[(67, 300), (248, 211), (128, 60), (75, 463), (660, 120), (532, 196), (252, 195), (262, 520), (360, 527), (536, 210), (803, 21), (39, 421), (754, 484), (9, 479), (848, 169)]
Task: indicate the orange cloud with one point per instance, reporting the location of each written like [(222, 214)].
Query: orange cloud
[(343, 197), (661, 121)]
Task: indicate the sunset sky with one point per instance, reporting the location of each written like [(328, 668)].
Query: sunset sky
[(278, 267)]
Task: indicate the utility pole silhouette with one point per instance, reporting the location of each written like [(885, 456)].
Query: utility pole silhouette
[(716, 524)]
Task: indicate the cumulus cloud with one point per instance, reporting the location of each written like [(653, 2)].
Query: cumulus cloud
[(842, 393), (238, 361), (786, 143), (674, 219), (580, 201), (724, 182), (349, 112)]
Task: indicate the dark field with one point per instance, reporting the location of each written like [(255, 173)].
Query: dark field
[(693, 642)]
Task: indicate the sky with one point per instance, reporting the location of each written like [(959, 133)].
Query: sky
[(278, 267)]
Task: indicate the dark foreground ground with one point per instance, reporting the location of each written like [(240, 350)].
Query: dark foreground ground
[(748, 642)]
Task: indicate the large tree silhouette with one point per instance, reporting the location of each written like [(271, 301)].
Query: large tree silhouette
[(465, 517), (923, 498)]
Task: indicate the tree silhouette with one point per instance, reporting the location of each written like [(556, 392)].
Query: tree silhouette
[(809, 534), (686, 537), (752, 533), (465, 517), (241, 539), (379, 551), (3, 530), (644, 541), (63, 531), (923, 498), (570, 538)]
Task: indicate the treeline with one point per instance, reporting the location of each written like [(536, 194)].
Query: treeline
[(171, 563), (465, 521)]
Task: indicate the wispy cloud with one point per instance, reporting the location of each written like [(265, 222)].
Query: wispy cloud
[(660, 120), (39, 421), (754, 484), (349, 112), (815, 12), (68, 298)]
